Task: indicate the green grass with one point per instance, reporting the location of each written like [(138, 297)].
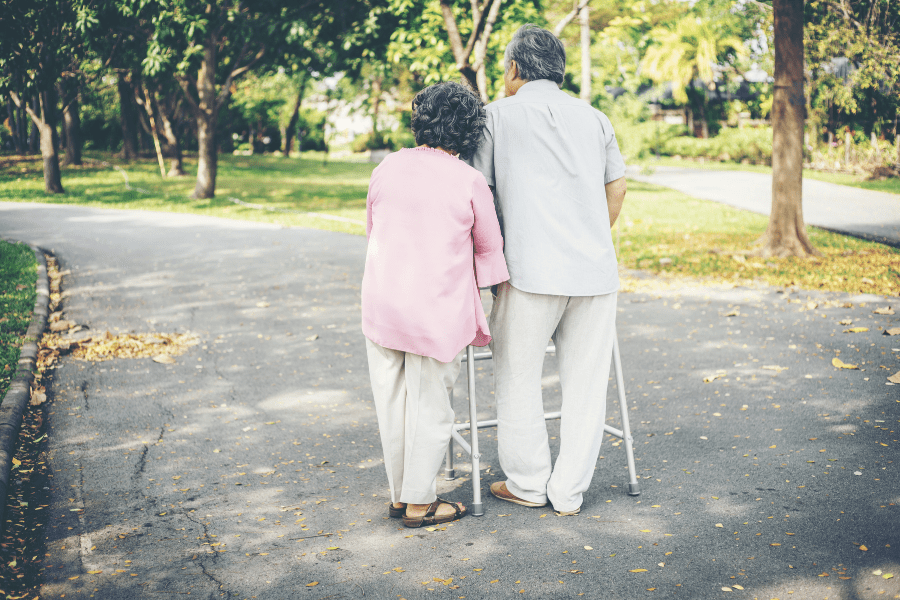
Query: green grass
[(711, 240), (303, 185), (891, 185), (18, 274), (701, 238)]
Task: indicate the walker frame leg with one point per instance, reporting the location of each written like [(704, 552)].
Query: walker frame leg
[(477, 508), (634, 488), (449, 470)]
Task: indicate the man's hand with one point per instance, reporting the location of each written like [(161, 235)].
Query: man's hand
[(615, 196)]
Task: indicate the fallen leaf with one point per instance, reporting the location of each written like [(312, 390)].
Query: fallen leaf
[(588, 548), (313, 337), (638, 571), (887, 576), (661, 564), (845, 322), (892, 331), (62, 325), (841, 364), (313, 583), (776, 368), (895, 378), (719, 525), (645, 531), (863, 548), (772, 446), (883, 310), (38, 397), (74, 578), (737, 587), (94, 572), (711, 378), (262, 304), (856, 330), (727, 589), (164, 359), (397, 569)]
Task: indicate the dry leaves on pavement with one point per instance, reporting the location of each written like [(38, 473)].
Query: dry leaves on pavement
[(161, 347)]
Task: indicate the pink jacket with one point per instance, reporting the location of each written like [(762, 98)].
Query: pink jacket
[(424, 210)]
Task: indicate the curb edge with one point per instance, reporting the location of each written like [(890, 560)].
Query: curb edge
[(19, 392)]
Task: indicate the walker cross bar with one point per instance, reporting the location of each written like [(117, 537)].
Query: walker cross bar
[(477, 507)]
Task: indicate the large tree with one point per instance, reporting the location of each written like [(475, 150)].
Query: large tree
[(210, 44), (786, 232), (438, 40), (38, 41)]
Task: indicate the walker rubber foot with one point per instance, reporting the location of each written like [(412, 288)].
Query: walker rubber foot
[(476, 510), (449, 474), (634, 489)]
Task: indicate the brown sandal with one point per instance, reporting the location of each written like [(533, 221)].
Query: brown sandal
[(394, 512), (430, 518)]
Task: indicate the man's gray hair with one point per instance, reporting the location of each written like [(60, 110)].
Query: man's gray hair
[(538, 53)]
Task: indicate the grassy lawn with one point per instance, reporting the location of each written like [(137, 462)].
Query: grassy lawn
[(886, 185), (302, 185), (702, 239), (18, 273), (711, 240)]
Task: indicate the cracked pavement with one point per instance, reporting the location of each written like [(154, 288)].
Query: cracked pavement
[(252, 466)]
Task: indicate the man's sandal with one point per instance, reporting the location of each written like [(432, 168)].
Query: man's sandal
[(431, 518), (567, 513), (396, 513), (499, 490)]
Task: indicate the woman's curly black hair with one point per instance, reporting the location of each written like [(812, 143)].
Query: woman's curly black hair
[(448, 115)]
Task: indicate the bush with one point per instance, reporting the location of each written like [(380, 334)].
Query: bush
[(393, 140), (751, 145), (312, 123)]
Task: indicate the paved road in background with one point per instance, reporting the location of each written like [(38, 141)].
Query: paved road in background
[(251, 468), (863, 213)]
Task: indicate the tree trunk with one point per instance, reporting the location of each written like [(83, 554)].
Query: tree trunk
[(173, 144), (786, 233), (45, 123), (15, 126), (287, 134), (584, 18), (208, 156), (128, 115), (376, 104), (71, 121), (34, 136)]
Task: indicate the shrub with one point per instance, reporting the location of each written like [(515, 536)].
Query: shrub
[(751, 145)]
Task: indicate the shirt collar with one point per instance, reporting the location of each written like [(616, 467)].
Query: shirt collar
[(539, 85)]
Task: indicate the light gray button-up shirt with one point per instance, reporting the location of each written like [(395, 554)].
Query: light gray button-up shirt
[(549, 156)]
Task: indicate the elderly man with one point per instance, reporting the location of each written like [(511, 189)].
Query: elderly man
[(558, 178)]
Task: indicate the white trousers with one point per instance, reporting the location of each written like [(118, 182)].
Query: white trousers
[(412, 403), (582, 328)]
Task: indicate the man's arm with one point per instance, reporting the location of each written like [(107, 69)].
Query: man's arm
[(615, 196)]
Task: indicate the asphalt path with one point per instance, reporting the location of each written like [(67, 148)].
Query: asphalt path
[(863, 213), (251, 468)]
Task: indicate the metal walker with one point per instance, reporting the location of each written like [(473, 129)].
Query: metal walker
[(477, 506)]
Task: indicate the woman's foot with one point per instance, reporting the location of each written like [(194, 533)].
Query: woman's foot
[(396, 510), (439, 511)]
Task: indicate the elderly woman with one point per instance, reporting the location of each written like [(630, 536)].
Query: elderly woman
[(426, 209)]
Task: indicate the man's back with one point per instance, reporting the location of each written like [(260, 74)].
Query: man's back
[(549, 156)]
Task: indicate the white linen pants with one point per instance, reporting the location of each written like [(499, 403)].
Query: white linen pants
[(582, 328), (412, 403)]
